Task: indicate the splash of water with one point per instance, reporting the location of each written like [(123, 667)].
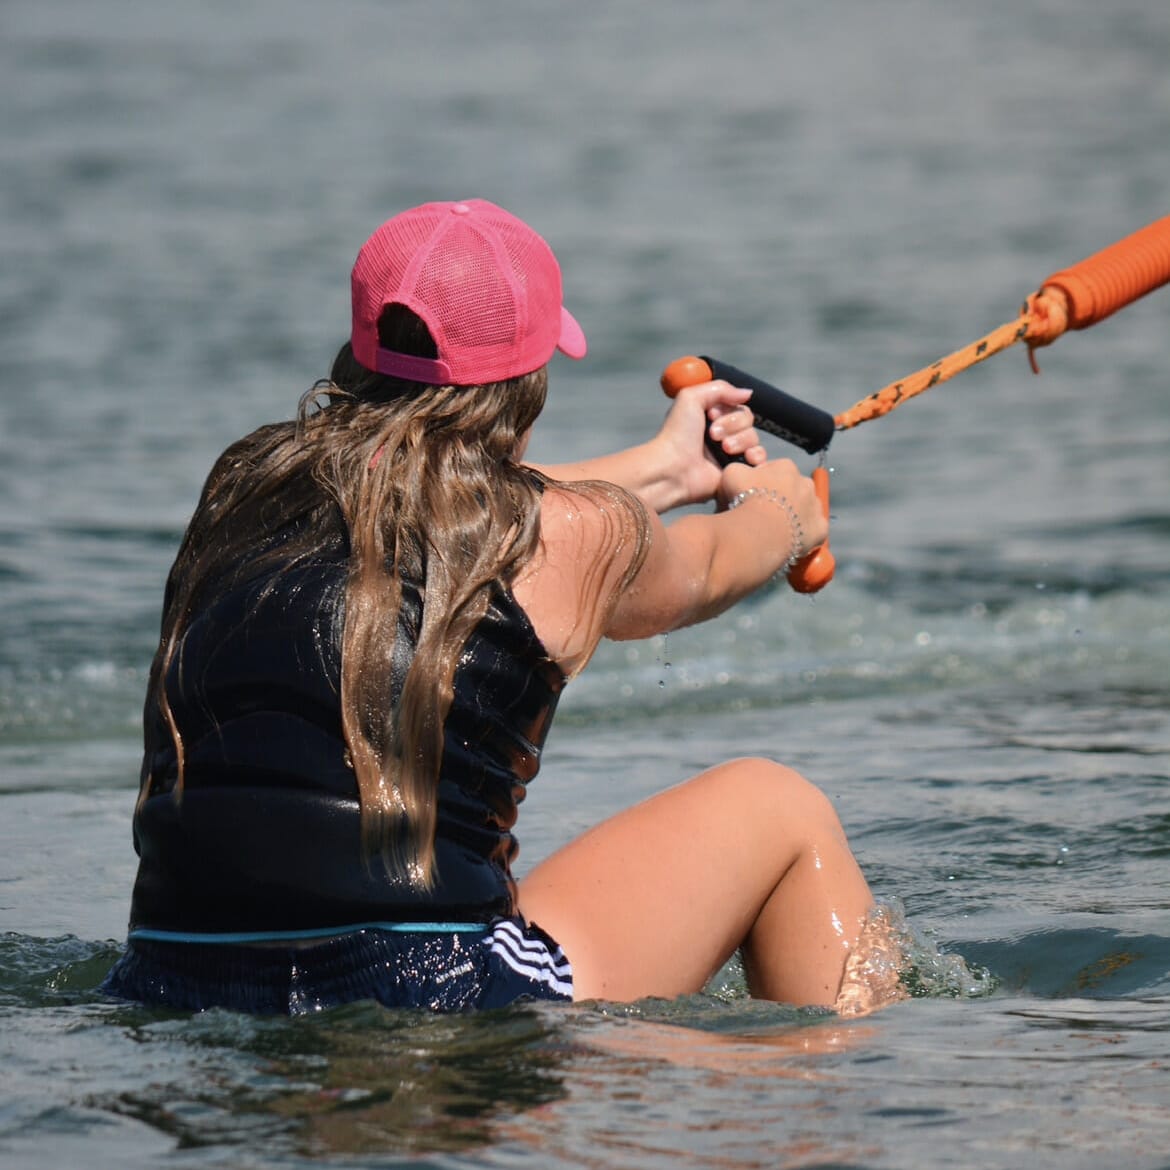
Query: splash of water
[(893, 961)]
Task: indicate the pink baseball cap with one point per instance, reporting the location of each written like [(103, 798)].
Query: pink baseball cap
[(487, 286)]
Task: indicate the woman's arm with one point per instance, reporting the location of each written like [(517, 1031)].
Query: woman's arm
[(701, 565), (674, 468), (577, 590)]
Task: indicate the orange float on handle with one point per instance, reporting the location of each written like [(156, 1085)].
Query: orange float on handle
[(781, 415)]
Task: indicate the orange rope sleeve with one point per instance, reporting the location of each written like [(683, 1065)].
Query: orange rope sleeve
[(1116, 276)]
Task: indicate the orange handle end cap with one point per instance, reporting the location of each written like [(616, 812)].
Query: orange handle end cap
[(683, 372), (815, 570)]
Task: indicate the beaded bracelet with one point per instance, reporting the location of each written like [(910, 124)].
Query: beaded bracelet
[(782, 503)]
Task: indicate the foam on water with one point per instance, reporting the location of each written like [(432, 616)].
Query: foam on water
[(864, 633)]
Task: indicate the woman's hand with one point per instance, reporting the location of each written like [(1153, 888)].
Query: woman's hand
[(674, 468), (781, 486), (715, 409)]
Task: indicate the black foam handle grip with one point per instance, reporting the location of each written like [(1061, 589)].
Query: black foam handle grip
[(788, 418)]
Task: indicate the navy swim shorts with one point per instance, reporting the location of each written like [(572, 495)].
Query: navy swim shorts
[(441, 967)]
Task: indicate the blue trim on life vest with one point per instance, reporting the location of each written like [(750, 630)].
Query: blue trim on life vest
[(256, 936)]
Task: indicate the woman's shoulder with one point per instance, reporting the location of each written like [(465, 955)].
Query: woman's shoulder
[(590, 508), (597, 527), (590, 545)]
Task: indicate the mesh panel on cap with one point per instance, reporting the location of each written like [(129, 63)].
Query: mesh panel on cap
[(543, 296), (537, 279), (471, 297), (398, 245), (378, 275)]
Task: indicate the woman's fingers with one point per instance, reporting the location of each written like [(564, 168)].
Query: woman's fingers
[(734, 429)]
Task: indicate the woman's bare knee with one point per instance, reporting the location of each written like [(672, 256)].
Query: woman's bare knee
[(774, 793), (796, 947)]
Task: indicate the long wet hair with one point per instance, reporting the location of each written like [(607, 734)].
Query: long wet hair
[(408, 482)]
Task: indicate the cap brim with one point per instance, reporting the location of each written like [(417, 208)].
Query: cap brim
[(572, 342)]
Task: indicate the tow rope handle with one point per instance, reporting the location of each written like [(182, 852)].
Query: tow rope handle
[(1073, 298), (781, 415)]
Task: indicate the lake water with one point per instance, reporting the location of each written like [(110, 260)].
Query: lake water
[(829, 195)]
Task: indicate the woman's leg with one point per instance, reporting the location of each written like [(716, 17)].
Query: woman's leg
[(656, 899)]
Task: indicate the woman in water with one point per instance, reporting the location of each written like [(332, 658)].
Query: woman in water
[(364, 636)]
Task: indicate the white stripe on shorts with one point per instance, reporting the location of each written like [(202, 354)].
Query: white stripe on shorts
[(530, 957)]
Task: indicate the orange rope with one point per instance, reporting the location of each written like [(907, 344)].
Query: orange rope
[(1073, 298), (888, 397)]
